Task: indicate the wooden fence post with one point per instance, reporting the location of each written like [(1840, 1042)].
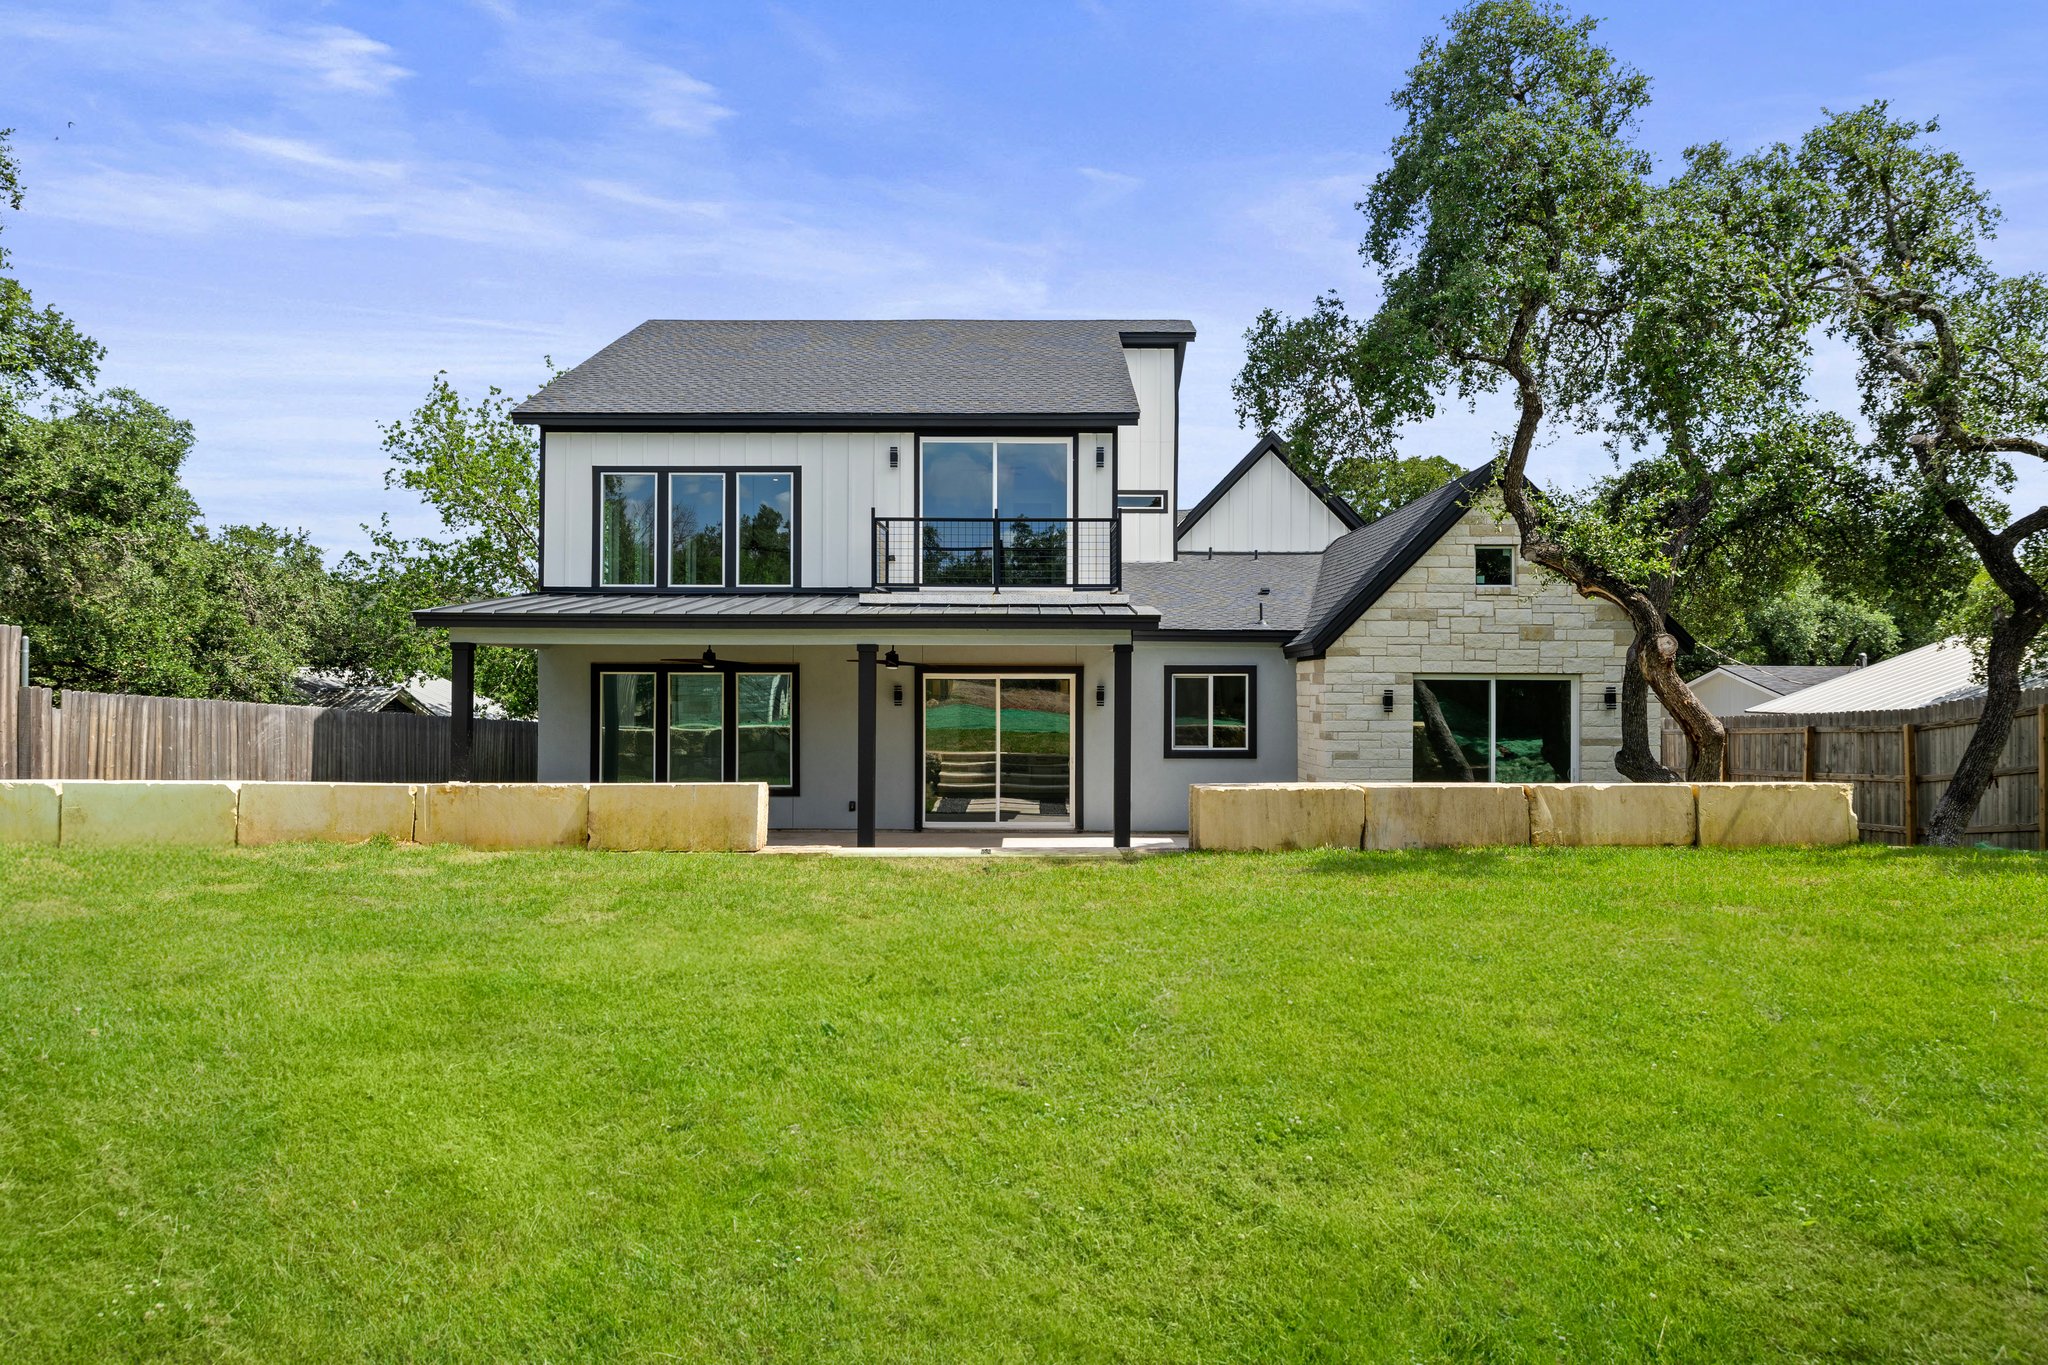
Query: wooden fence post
[(2041, 776), (11, 683), (1910, 765), (1806, 761)]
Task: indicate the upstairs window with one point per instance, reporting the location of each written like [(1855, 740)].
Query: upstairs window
[(626, 516), (1141, 501), (717, 528), (767, 517), (1493, 566), (1209, 712)]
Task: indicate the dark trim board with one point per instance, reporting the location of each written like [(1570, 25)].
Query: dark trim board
[(1390, 570), (1269, 444), (1220, 635), (684, 627), (1007, 422), (540, 543), (1251, 675), (730, 731)]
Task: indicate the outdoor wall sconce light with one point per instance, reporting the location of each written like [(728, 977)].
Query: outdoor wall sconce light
[(1611, 699), (898, 694), (893, 457), (1387, 701), (1101, 694), (1098, 457)]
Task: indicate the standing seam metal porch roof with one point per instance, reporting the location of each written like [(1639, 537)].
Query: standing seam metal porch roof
[(785, 609), (822, 370)]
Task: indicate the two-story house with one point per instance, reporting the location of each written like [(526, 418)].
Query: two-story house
[(922, 574)]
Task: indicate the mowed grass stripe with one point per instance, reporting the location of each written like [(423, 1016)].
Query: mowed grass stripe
[(394, 1102)]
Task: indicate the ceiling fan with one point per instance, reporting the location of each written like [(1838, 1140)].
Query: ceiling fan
[(890, 660)]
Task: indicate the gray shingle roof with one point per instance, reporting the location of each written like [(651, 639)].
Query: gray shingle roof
[(780, 370), (1221, 592), (1360, 565), (1781, 679)]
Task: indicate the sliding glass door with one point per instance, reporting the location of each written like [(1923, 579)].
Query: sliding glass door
[(998, 750), (1493, 730), (982, 498)]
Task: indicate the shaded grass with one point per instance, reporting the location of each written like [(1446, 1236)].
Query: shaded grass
[(393, 1102)]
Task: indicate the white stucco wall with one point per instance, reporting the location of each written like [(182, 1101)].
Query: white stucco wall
[(1435, 623), (1159, 785), (827, 713)]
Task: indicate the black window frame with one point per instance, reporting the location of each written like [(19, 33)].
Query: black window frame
[(730, 729), (1513, 572), (1160, 493), (731, 474), (1249, 672)]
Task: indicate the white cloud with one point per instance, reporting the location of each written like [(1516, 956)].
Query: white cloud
[(309, 156), (209, 42), (567, 55)]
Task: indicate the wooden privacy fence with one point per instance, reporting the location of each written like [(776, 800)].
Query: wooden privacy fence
[(127, 738), (1898, 764)]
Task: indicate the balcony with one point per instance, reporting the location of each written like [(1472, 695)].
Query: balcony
[(998, 553)]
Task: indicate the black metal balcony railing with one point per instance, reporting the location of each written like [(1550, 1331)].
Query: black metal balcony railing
[(998, 552)]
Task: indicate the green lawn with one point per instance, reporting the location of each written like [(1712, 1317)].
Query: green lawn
[(394, 1102)]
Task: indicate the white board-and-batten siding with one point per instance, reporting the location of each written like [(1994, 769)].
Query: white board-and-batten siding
[(1268, 510), (841, 476), (843, 481), (1145, 453)]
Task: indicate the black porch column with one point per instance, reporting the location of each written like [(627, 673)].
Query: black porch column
[(864, 755), (462, 712), (1120, 771)]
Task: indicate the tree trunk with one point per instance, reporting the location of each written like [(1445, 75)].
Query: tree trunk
[(1702, 727), (2010, 640), (1638, 760)]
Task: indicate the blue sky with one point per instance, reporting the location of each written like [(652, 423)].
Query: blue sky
[(282, 220)]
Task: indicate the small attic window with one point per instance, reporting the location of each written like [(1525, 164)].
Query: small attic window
[(1150, 501), (1493, 566)]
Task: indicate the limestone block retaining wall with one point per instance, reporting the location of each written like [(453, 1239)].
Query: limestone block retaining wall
[(721, 816), (1389, 815)]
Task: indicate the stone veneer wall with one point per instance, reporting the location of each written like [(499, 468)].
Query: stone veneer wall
[(1435, 623)]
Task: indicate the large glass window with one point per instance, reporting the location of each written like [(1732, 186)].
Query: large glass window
[(765, 738), (1209, 712), (988, 498), (625, 727), (767, 519), (692, 724), (1493, 730), (626, 530), (696, 530)]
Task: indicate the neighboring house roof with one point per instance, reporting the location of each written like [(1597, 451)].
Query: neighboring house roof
[(848, 373), (1361, 565), (927, 608), (1942, 671), (421, 695), (1268, 444), (1221, 594), (1780, 679)]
